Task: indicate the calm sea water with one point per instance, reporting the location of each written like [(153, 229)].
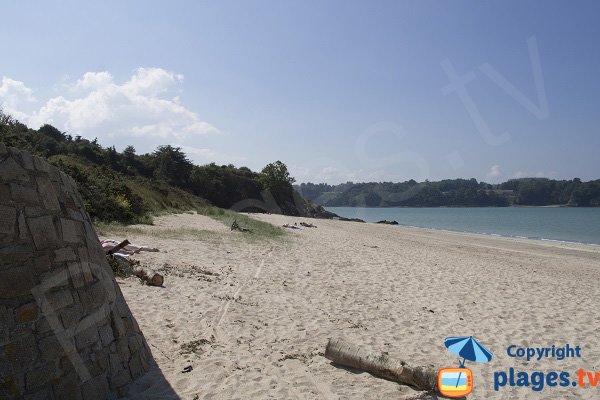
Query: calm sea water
[(580, 225)]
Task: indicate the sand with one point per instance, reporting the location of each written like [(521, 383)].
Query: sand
[(252, 318)]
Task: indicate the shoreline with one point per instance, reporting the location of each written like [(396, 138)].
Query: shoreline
[(543, 238), (534, 239)]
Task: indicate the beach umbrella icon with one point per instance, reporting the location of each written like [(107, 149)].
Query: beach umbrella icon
[(469, 349)]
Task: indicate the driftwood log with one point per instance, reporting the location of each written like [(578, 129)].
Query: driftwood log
[(154, 280), (379, 364)]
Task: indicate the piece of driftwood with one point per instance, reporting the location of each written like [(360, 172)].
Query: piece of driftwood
[(118, 247), (381, 365), (154, 280)]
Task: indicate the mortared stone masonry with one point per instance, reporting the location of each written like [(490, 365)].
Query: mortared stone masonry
[(65, 329)]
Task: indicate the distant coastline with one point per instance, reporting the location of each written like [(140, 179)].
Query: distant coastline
[(562, 224), (537, 192)]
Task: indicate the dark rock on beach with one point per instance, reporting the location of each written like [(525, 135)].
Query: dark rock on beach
[(349, 219), (385, 221)]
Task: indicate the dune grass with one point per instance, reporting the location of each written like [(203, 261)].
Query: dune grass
[(113, 228), (261, 231)]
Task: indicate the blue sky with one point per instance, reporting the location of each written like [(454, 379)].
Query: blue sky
[(338, 90)]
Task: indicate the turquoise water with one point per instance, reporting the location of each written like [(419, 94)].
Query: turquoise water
[(580, 225)]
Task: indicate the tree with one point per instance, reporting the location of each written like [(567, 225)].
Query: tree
[(51, 132), (129, 152), (275, 176), (172, 165)]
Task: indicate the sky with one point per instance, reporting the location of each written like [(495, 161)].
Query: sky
[(338, 90)]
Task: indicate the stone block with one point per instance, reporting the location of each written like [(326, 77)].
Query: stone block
[(122, 307), (56, 300), (40, 164), (96, 389), (71, 316), (66, 199), (135, 367), (42, 394), (93, 243), (50, 348), (93, 296), (83, 255), (16, 255), (64, 254), (42, 327), (43, 231), (72, 231), (120, 378), (106, 335), (134, 344), (27, 313), (87, 338), (20, 331), (117, 325), (24, 194), (54, 174), (98, 363), (10, 170), (88, 277), (123, 350), (47, 193), (8, 220), (76, 215), (67, 387), (20, 353), (40, 376), (76, 274), (6, 323), (115, 364), (23, 231), (5, 192), (146, 357), (35, 212), (16, 282), (26, 159), (42, 264), (11, 386)]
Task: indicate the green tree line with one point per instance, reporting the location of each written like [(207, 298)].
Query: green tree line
[(456, 193), (125, 186)]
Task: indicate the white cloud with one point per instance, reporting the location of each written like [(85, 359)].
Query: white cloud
[(94, 80), (494, 172), (97, 106), (12, 95)]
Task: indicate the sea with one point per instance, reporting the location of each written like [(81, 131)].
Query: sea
[(562, 224)]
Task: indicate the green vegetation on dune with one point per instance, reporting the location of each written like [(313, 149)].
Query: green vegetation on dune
[(129, 188), (259, 229)]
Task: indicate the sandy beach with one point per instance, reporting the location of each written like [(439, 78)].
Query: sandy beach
[(252, 318)]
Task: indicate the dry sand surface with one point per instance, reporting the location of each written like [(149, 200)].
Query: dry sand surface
[(253, 318)]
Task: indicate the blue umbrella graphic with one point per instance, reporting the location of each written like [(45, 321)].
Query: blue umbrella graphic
[(469, 349)]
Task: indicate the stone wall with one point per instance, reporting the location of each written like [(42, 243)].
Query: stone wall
[(65, 329)]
